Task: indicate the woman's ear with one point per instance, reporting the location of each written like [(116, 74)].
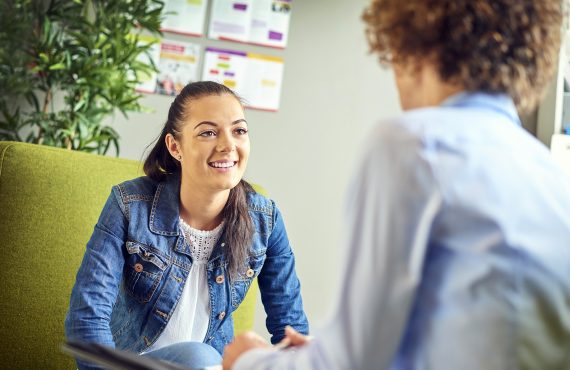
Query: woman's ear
[(172, 146)]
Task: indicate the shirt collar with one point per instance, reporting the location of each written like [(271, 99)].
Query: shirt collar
[(501, 103)]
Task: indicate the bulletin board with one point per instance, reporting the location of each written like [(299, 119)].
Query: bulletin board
[(190, 48)]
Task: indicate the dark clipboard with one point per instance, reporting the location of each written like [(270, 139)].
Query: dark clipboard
[(114, 359)]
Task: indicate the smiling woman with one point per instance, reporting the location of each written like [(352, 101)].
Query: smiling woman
[(213, 146), (174, 252)]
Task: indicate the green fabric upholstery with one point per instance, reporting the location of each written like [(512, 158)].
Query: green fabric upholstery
[(50, 200)]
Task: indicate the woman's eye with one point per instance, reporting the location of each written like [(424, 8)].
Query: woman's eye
[(241, 131), (207, 133)]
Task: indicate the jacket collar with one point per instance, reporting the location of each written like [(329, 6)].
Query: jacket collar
[(166, 207), (165, 214)]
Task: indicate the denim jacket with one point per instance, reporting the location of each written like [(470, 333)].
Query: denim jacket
[(117, 303)]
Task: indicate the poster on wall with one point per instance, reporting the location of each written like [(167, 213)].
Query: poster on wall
[(256, 78), (185, 17), (177, 65), (270, 23), (148, 80), (259, 22)]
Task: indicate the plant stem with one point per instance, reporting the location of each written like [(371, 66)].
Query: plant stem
[(68, 143), (47, 99)]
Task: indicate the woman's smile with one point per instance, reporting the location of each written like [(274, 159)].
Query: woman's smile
[(223, 165)]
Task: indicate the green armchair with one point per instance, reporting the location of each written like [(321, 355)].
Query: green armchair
[(50, 200)]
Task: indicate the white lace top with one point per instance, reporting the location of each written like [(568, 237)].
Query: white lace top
[(190, 319)]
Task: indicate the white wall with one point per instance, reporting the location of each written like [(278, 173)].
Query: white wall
[(333, 92)]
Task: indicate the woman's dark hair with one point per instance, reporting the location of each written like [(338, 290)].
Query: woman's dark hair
[(238, 229), (497, 46)]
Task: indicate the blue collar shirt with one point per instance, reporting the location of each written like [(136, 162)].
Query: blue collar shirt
[(457, 253)]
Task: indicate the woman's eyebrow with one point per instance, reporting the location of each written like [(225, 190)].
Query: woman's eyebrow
[(216, 125), (239, 121), (206, 123)]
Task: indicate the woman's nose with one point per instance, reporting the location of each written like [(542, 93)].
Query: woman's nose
[(225, 144)]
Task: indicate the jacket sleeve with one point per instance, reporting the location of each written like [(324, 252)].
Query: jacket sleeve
[(279, 285), (97, 281)]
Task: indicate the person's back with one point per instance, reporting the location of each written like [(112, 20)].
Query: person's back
[(458, 222), (495, 261)]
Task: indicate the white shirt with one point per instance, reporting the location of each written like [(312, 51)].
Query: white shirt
[(458, 253), (190, 319)]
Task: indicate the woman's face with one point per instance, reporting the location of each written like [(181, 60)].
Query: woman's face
[(214, 143)]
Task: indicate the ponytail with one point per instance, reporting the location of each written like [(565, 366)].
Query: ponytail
[(238, 227)]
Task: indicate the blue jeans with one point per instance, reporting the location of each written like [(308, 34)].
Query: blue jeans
[(193, 355)]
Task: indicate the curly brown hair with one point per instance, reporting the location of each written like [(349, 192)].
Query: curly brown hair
[(497, 46)]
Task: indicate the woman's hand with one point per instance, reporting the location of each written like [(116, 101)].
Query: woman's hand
[(293, 338), (242, 343), (249, 340)]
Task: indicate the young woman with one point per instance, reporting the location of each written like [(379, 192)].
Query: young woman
[(459, 220), (174, 253)]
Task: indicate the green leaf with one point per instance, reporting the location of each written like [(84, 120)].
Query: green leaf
[(77, 51), (57, 66)]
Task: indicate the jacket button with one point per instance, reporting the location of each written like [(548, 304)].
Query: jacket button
[(222, 315), (220, 279), (223, 244), (138, 267), (249, 273)]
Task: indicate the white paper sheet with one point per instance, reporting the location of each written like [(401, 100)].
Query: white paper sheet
[(256, 78), (148, 81), (260, 22), (178, 66), (187, 17)]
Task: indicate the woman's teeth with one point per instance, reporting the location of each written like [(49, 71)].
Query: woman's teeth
[(222, 164)]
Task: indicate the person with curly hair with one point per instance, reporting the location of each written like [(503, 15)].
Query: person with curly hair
[(458, 252)]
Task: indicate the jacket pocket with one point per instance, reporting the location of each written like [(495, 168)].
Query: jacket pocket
[(241, 284), (143, 271)]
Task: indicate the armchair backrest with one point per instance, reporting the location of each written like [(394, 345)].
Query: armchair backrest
[(50, 199)]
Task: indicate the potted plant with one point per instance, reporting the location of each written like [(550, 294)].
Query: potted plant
[(66, 65)]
